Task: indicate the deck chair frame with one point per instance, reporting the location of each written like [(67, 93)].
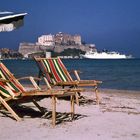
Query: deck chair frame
[(7, 93), (57, 74)]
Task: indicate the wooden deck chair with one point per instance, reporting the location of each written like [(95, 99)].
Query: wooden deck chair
[(11, 89), (57, 74)]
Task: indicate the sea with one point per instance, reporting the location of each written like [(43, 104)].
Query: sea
[(123, 74)]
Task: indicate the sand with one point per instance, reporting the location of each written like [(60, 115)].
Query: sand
[(117, 118)]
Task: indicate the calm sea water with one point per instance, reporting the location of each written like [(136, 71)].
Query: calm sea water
[(115, 74)]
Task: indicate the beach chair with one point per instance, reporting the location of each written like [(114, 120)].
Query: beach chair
[(12, 90), (57, 74)]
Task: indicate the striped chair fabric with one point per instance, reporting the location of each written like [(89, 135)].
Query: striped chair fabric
[(54, 70), (12, 88)]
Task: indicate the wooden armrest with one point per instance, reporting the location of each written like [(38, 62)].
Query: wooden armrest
[(76, 73), (89, 81), (26, 78), (73, 71), (32, 79), (70, 83), (99, 82)]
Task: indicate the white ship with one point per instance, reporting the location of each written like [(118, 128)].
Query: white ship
[(104, 55)]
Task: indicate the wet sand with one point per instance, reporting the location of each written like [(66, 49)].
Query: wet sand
[(117, 117)]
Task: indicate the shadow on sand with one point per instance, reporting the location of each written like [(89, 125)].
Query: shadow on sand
[(29, 112)]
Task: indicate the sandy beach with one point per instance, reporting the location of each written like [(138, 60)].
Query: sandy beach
[(117, 117)]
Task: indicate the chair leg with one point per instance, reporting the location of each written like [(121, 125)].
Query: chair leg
[(53, 111), (77, 98), (10, 109), (72, 107), (38, 106), (1, 106), (97, 95)]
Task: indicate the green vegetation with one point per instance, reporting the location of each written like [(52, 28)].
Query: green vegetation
[(68, 52)]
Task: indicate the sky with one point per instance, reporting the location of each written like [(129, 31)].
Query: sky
[(109, 24)]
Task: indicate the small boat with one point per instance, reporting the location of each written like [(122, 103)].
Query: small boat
[(104, 55)]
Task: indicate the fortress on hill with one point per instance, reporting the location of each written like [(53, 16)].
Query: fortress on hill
[(60, 44)]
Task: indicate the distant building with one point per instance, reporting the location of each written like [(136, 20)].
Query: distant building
[(28, 48), (46, 40), (67, 39), (77, 39), (48, 54), (54, 43), (58, 38)]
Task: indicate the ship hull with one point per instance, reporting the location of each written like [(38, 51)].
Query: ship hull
[(104, 56)]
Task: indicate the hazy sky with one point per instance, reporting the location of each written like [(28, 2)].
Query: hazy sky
[(110, 24)]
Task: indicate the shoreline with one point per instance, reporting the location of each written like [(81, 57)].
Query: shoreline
[(121, 92)]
